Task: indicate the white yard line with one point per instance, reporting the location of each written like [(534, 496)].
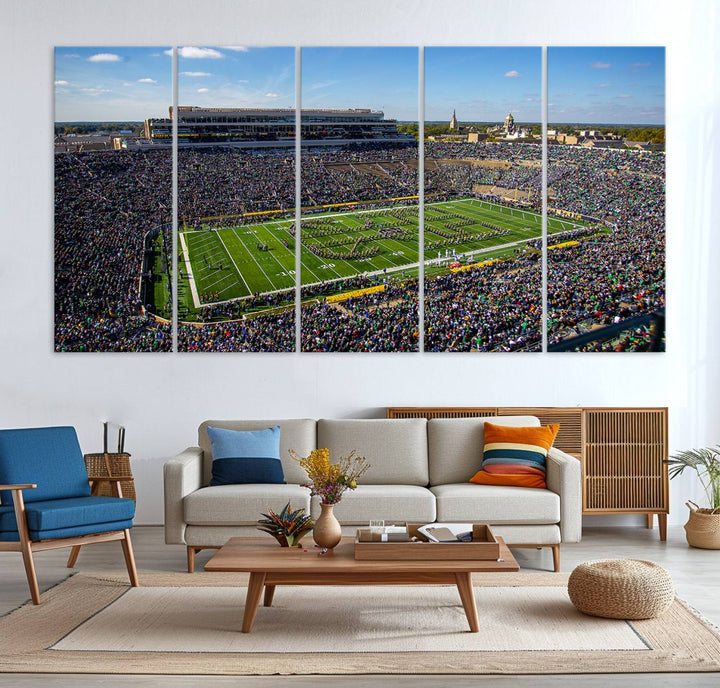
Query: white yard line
[(191, 276), (247, 286), (267, 277)]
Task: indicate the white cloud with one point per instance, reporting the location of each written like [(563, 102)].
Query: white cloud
[(237, 48), (147, 81), (127, 83), (203, 90), (104, 57), (640, 64), (243, 81), (272, 95), (95, 91), (602, 86), (600, 65), (61, 82), (190, 52), (193, 74), (624, 95), (323, 84), (513, 74)]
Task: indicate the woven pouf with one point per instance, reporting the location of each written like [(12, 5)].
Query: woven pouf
[(621, 589)]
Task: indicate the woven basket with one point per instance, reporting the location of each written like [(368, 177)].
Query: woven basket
[(703, 527), (110, 466), (621, 589)]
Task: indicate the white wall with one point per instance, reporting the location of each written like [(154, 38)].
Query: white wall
[(161, 398)]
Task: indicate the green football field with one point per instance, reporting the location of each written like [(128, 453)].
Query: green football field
[(222, 264)]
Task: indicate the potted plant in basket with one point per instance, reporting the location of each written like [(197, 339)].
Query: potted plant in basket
[(703, 527), (328, 481)]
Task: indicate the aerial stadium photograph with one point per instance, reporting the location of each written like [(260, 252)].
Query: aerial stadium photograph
[(113, 200), (483, 158), (358, 240), (359, 230), (606, 161)]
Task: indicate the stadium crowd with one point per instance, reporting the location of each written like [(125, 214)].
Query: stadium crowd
[(107, 202)]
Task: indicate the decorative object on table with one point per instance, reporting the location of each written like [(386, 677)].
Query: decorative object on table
[(288, 527), (515, 456), (621, 589), (328, 481), (703, 527)]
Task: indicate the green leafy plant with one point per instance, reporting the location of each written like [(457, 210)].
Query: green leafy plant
[(288, 527), (706, 463)]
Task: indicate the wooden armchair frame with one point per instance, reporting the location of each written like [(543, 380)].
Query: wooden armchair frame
[(27, 546)]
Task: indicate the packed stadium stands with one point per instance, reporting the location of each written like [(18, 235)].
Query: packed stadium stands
[(107, 202)]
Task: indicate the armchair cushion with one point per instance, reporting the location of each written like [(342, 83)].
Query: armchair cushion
[(91, 514), (49, 457)]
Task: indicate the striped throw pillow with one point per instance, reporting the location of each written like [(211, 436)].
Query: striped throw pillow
[(515, 456)]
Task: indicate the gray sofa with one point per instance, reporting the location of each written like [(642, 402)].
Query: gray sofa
[(419, 473)]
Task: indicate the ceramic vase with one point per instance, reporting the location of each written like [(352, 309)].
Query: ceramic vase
[(326, 532)]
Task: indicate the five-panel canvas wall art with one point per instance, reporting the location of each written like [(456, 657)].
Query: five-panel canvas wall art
[(317, 200)]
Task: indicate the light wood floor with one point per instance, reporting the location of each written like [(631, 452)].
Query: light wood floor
[(696, 574)]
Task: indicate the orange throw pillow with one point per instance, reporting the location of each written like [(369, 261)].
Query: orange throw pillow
[(515, 456)]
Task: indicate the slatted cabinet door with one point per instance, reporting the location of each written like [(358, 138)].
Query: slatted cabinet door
[(623, 466)]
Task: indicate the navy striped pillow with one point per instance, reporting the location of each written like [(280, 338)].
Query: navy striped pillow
[(249, 456)]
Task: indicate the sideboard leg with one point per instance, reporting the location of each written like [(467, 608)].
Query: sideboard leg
[(650, 521), (662, 523)]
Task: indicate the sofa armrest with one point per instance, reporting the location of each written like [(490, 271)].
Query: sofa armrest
[(181, 476), (564, 477)]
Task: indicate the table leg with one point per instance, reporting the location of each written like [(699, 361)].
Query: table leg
[(252, 601), (467, 597), (269, 592)]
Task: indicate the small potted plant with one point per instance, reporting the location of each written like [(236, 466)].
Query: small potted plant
[(288, 527), (703, 527)]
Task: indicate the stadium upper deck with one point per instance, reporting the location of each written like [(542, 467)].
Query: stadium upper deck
[(248, 124)]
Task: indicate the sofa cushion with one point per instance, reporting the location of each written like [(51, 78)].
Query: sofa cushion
[(496, 504), (396, 449), (295, 433), (241, 504), (382, 502), (515, 456), (455, 445), (245, 456), (51, 458)]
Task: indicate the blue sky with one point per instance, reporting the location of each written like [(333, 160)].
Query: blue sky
[(613, 85), (378, 78), (483, 84), (112, 84), (236, 76)]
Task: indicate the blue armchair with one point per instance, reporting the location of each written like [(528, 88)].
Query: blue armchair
[(45, 499)]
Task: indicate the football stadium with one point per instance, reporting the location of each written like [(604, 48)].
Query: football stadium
[(359, 247)]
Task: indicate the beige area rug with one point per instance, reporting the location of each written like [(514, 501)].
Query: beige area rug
[(188, 624)]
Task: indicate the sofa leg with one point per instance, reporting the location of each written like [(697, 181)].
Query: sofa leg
[(191, 559), (556, 558)]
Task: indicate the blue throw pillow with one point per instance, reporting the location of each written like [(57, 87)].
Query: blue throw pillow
[(251, 456)]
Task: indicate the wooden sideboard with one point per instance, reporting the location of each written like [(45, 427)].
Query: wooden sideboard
[(622, 451)]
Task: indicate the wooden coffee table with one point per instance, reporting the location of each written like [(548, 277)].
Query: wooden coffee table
[(270, 565)]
